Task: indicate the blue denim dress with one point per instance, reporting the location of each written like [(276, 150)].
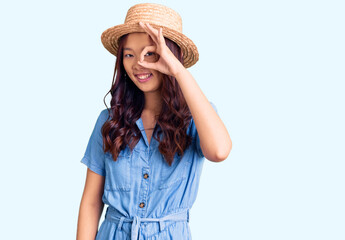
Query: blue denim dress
[(147, 199)]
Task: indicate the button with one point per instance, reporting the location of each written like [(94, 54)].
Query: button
[(141, 205), (146, 175)]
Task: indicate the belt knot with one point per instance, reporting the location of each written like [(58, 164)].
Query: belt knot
[(113, 215)]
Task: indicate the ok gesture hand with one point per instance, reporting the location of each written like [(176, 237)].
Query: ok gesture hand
[(167, 63)]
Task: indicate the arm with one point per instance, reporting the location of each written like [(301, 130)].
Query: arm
[(91, 206), (215, 140)]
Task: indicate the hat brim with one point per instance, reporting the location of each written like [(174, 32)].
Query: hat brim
[(111, 36)]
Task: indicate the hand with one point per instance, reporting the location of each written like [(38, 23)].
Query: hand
[(167, 63)]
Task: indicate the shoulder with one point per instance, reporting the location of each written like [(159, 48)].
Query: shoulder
[(103, 115)]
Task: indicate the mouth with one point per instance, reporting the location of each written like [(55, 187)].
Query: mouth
[(143, 77)]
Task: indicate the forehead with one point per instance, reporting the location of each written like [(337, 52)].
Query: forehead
[(137, 40)]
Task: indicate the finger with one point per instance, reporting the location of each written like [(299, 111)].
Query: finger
[(152, 29), (142, 25), (158, 33), (148, 65), (160, 36), (146, 50), (152, 32), (147, 30)]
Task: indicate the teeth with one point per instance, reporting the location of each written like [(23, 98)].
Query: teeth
[(143, 76)]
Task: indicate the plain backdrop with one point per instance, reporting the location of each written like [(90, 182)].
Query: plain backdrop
[(274, 69)]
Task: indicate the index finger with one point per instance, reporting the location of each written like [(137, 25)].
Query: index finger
[(152, 32), (146, 50)]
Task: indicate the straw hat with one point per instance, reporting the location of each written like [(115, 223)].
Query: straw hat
[(158, 16)]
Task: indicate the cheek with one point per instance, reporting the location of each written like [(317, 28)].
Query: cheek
[(159, 77), (126, 65)]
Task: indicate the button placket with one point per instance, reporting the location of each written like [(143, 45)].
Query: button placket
[(144, 187)]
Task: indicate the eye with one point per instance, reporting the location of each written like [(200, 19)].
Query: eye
[(150, 54), (128, 55)]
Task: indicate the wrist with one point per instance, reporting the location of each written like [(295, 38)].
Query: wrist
[(179, 71)]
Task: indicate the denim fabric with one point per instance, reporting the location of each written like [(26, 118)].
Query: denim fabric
[(141, 185)]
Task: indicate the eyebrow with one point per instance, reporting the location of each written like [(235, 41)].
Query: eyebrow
[(126, 48)]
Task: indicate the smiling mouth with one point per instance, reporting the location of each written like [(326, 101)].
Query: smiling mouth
[(143, 77)]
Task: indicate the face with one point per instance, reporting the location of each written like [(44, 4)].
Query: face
[(147, 80)]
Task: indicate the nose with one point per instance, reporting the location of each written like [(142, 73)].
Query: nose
[(136, 66)]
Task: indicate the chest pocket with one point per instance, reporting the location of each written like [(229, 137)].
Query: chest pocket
[(172, 176), (118, 173)]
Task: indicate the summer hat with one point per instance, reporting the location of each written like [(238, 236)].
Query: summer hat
[(157, 16)]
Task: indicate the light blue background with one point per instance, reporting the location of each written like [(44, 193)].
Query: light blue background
[(274, 69)]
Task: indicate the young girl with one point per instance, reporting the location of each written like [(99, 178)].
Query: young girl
[(146, 153)]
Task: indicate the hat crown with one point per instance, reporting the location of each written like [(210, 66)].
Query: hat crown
[(154, 14), (159, 16)]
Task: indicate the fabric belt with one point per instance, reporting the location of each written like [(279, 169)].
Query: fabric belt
[(114, 215)]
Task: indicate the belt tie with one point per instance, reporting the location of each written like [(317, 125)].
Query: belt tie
[(114, 215)]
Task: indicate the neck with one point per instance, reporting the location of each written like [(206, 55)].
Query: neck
[(153, 103)]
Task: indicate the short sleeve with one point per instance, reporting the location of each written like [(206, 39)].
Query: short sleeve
[(94, 155), (196, 135)]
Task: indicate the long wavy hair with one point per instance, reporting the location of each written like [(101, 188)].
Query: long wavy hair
[(127, 104)]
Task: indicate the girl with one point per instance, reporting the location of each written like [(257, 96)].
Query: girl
[(146, 153)]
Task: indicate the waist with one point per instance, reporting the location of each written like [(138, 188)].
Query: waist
[(113, 215)]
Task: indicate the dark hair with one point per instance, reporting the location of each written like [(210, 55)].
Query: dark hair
[(127, 104)]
